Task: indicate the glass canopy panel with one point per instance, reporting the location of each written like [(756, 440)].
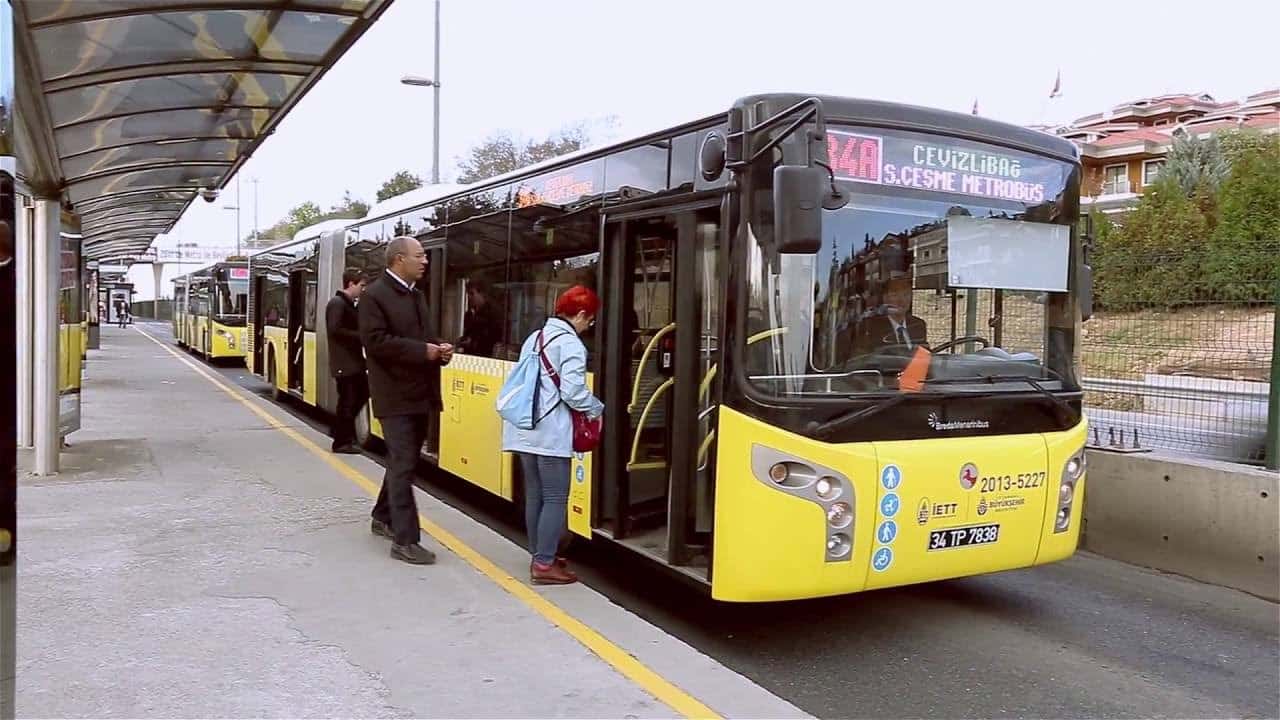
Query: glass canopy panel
[(160, 179), (213, 150), (79, 48), (240, 123), (215, 89)]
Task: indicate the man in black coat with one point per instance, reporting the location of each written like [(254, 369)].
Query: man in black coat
[(404, 360), (896, 329), (346, 361)]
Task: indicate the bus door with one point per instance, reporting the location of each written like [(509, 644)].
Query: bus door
[(434, 290), (656, 491), (258, 290), (297, 330)]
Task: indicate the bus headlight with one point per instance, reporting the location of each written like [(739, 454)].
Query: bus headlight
[(1072, 471), (839, 515), (828, 488), (838, 546)]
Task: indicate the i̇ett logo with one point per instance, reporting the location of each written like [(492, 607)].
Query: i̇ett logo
[(968, 476)]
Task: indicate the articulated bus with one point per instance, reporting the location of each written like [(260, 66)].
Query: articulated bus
[(209, 309), (838, 345)]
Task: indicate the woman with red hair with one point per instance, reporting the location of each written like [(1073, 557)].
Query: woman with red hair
[(544, 451)]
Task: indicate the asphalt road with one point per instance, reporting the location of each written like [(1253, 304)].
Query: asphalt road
[(1085, 638)]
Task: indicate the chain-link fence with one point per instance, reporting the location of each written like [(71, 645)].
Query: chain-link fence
[(1178, 355)]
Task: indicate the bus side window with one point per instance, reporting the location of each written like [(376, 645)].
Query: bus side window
[(549, 256), (476, 239)]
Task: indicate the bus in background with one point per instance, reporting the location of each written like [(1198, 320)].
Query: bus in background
[(837, 351), (209, 310)]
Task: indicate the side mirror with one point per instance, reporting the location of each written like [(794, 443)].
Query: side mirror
[(798, 193), (711, 156), (1086, 292)]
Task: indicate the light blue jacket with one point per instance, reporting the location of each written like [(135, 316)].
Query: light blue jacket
[(553, 434)]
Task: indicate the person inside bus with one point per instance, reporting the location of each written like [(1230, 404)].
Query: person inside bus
[(892, 326), (482, 323), (404, 358), (544, 452), (346, 360)]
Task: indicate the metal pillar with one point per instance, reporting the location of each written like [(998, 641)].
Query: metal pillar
[(435, 125), (157, 269), (22, 306), (47, 256), (1272, 448)]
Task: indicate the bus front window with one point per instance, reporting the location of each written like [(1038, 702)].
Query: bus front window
[(231, 301), (884, 291)]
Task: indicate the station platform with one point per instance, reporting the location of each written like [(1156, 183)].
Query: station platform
[(202, 554)]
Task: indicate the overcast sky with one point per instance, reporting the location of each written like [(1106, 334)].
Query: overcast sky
[(533, 67)]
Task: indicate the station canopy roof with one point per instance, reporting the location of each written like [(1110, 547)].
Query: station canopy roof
[(152, 100)]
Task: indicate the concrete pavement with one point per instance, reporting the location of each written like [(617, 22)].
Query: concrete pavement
[(196, 557)]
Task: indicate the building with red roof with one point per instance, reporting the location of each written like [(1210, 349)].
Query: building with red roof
[(1123, 149)]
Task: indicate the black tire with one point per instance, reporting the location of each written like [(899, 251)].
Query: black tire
[(276, 393)]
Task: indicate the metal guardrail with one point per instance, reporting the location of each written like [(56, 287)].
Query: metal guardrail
[(1220, 423), (1146, 389)]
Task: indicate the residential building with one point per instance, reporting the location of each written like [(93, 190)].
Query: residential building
[(1123, 149)]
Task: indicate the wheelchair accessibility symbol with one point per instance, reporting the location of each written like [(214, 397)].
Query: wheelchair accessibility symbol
[(882, 559)]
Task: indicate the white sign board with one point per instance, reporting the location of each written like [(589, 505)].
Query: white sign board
[(1007, 254)]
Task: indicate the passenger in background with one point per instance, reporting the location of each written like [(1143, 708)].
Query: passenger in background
[(404, 360), (482, 324), (346, 360), (544, 451)]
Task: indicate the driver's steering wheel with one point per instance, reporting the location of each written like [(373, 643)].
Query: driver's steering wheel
[(966, 339)]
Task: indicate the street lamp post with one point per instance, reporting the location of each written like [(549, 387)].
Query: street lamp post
[(419, 81), (236, 207)]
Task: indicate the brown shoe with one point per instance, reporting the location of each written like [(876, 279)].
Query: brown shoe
[(554, 574)]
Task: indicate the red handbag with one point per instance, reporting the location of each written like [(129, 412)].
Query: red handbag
[(586, 431)]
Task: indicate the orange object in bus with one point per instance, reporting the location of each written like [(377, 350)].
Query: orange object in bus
[(911, 379)]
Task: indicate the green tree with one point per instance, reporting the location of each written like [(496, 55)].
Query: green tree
[(349, 207), (1197, 165), (1238, 143), (1244, 253), (1154, 257), (400, 183), (501, 153)]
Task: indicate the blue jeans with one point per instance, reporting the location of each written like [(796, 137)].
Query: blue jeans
[(546, 499)]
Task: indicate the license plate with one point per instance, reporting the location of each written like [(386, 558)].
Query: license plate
[(963, 537)]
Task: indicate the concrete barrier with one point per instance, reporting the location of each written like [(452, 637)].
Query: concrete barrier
[(1212, 521)]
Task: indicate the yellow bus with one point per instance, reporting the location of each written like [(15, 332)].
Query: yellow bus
[(838, 346), (209, 307)]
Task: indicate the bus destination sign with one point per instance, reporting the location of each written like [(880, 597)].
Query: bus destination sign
[(557, 189), (938, 166)]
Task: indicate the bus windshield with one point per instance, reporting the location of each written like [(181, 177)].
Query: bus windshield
[(950, 256), (231, 301)]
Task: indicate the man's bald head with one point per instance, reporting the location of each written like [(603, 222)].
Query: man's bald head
[(406, 258)]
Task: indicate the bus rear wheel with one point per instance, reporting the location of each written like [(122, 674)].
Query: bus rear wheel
[(276, 394)]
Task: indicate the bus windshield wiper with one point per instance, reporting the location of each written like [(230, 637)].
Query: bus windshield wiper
[(819, 429), (992, 379)]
